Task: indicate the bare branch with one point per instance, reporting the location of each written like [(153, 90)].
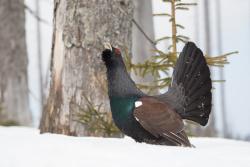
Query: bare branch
[(33, 13), (141, 30)]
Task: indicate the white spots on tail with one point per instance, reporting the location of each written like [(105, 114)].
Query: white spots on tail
[(138, 104)]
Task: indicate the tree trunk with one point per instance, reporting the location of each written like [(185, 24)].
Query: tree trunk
[(77, 71), (142, 48), (14, 92)]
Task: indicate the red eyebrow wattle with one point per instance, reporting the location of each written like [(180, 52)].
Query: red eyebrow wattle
[(117, 51)]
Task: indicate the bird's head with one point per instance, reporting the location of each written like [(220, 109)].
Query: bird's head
[(111, 55)]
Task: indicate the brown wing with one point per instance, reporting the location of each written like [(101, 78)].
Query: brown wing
[(160, 120)]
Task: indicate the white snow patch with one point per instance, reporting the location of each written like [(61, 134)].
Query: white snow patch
[(25, 147)]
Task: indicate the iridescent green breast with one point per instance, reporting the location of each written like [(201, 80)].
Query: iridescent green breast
[(122, 108)]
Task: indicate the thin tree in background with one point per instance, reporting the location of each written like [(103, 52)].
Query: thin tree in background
[(39, 52), (221, 70), (210, 129), (197, 23), (142, 48), (14, 92), (78, 80)]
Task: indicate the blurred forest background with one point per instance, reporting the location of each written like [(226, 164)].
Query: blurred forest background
[(48, 71)]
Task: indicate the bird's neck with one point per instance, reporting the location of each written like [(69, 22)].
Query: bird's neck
[(120, 83), (122, 93)]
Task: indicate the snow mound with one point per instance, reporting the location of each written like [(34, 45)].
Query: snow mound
[(25, 147)]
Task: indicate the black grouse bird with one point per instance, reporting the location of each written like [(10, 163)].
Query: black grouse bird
[(159, 119)]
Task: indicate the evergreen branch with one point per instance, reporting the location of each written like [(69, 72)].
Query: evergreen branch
[(171, 46), (185, 4), (162, 14), (223, 55), (159, 52), (167, 0), (180, 26), (183, 37), (220, 80), (181, 40), (97, 123), (219, 61), (182, 8), (161, 39), (170, 56), (150, 68)]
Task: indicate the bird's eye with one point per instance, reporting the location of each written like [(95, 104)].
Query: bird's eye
[(117, 52)]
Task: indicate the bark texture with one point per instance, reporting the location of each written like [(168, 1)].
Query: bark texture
[(14, 92), (142, 48), (77, 71)]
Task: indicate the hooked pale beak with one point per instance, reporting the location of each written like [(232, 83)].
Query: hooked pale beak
[(107, 46)]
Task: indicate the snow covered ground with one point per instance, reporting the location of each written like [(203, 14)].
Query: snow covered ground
[(25, 147)]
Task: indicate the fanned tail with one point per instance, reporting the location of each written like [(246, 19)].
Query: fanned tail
[(190, 91)]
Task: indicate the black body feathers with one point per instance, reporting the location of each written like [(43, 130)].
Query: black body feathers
[(158, 119)]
